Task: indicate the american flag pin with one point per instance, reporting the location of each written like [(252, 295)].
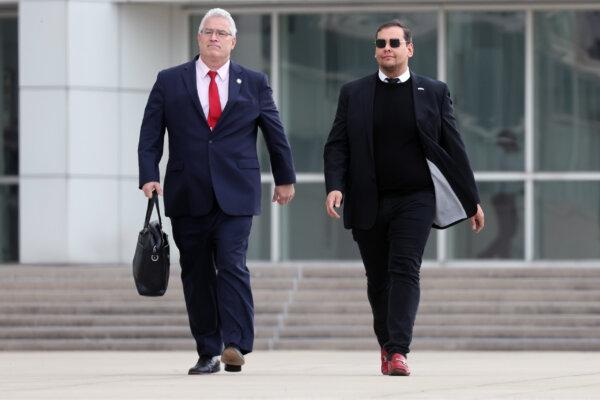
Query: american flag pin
[(239, 81), (420, 88)]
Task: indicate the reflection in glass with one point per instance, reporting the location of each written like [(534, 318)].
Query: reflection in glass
[(486, 71), (567, 90), (259, 245), (502, 237), (321, 52), (308, 233), (9, 98), (567, 220), (9, 223)]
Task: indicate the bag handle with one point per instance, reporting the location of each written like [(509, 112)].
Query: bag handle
[(151, 203)]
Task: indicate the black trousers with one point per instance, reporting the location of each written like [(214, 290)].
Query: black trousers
[(216, 280), (392, 251)]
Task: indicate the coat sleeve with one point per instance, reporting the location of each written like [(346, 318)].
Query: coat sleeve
[(336, 154), (452, 143), (152, 132), (280, 153)]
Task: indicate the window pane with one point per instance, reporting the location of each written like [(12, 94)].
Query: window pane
[(9, 98), (567, 90), (308, 233), (486, 71), (252, 50), (502, 236), (319, 53), (567, 220), (259, 245), (9, 223)]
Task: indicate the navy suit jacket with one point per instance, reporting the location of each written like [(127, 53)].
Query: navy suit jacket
[(201, 161)]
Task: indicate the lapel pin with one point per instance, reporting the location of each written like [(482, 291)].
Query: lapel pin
[(420, 88), (238, 81)]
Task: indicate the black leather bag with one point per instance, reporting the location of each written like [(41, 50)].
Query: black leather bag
[(151, 260)]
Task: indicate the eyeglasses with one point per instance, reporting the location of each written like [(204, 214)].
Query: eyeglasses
[(220, 33), (394, 43)]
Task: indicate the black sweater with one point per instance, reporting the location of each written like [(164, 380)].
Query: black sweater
[(400, 164)]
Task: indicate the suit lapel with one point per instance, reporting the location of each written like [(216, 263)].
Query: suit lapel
[(236, 80), (368, 100), (418, 98), (189, 78)]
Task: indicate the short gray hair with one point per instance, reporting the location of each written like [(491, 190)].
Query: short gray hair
[(218, 12)]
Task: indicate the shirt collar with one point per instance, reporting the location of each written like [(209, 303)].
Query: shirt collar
[(403, 78), (222, 73)]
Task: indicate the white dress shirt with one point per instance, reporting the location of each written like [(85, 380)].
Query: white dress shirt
[(403, 78), (203, 81)]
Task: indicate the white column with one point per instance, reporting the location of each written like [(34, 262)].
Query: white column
[(86, 68)]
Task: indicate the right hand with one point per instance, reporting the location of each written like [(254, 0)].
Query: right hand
[(334, 199), (149, 187)]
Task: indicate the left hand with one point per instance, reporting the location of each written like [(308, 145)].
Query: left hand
[(283, 194), (477, 220)]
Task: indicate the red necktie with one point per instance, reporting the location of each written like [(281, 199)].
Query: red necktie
[(214, 102)]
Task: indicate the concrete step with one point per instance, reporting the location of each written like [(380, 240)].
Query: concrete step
[(315, 306), (154, 344), (471, 344), (123, 284), (29, 320), (444, 295), (327, 271), (124, 272), (545, 283), (105, 332), (149, 307), (455, 307), (450, 332), (117, 296), (360, 319)]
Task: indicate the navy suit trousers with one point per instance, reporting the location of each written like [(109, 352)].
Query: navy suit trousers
[(392, 251), (216, 280)]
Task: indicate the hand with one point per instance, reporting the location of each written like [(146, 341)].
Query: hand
[(283, 194), (334, 199), (477, 220), (149, 187)]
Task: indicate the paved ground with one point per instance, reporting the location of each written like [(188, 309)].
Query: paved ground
[(300, 375)]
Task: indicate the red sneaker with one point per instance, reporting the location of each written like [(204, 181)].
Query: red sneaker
[(397, 365), (384, 362)]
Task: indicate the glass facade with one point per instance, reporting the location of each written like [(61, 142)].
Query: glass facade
[(486, 65), (503, 236), (498, 65), (9, 140), (567, 220), (567, 91)]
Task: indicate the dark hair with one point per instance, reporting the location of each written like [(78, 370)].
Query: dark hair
[(396, 22)]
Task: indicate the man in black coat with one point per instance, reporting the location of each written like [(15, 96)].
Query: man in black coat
[(396, 159)]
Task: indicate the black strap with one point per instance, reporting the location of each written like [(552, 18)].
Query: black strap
[(151, 203)]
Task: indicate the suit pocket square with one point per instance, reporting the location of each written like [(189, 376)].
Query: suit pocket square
[(420, 88)]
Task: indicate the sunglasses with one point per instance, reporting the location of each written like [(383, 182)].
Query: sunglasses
[(394, 43)]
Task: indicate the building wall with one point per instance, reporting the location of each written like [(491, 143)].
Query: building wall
[(525, 79), (85, 72)]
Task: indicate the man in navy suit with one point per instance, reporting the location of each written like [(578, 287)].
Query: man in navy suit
[(396, 159), (212, 108)]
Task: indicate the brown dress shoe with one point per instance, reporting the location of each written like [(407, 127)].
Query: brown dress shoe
[(233, 359)]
